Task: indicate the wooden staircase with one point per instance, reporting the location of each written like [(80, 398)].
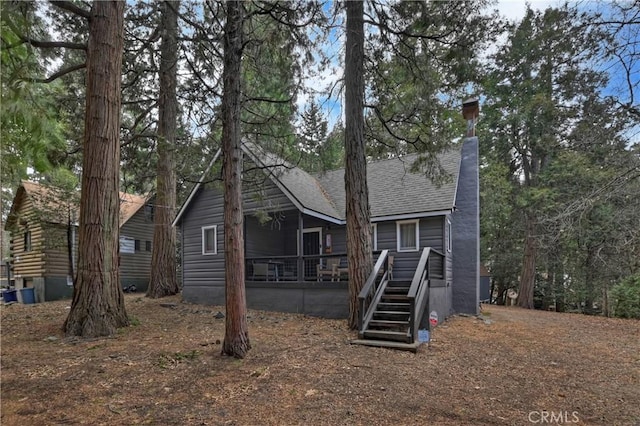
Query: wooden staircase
[(390, 319), (390, 310)]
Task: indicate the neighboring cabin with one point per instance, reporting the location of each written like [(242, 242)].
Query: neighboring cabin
[(44, 241), (295, 232)]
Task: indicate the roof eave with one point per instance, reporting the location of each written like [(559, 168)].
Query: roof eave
[(415, 215), (195, 189)]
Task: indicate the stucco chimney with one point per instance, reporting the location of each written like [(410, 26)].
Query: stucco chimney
[(470, 112)]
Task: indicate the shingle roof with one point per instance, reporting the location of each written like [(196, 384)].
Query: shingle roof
[(304, 188), (393, 188), (396, 190)]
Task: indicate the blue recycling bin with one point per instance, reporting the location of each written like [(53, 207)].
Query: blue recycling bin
[(28, 295), (10, 296)]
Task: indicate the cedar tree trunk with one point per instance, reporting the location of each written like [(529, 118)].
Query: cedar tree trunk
[(357, 193), (163, 280), (98, 308), (528, 276), (236, 339)]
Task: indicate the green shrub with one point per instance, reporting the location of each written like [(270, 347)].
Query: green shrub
[(626, 297)]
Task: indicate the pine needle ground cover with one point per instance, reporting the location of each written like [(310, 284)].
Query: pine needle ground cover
[(510, 367)]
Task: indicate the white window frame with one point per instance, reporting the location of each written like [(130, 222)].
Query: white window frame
[(399, 224), (215, 240), (374, 236), (449, 236)]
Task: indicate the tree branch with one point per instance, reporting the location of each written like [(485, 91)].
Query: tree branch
[(71, 7), (41, 43), (60, 73)]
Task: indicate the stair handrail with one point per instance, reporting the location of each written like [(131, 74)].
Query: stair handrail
[(370, 293), (418, 291)]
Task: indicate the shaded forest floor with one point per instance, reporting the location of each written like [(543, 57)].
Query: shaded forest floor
[(504, 368)]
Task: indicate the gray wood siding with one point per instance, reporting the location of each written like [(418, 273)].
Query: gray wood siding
[(206, 209), (430, 234), (266, 196), (200, 270), (137, 266)]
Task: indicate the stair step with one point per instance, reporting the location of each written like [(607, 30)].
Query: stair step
[(394, 306), (396, 336), (394, 290), (399, 325), (393, 314), (413, 347), (399, 283), (394, 297)]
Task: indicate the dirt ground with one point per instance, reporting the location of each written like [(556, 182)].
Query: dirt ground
[(510, 367)]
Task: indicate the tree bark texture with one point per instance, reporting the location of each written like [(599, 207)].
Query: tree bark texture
[(98, 307), (163, 281), (357, 193), (528, 276), (236, 340)]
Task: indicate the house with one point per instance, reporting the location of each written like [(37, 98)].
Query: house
[(295, 223), (43, 227)]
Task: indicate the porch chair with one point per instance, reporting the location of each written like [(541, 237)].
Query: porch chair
[(331, 269), (262, 272)]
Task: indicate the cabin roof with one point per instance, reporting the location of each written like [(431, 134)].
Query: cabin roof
[(304, 190), (396, 190), (56, 205)]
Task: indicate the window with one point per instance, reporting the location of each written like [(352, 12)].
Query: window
[(449, 236), (149, 212), (374, 236), (407, 235), (147, 246), (209, 239), (137, 245), (27, 241)]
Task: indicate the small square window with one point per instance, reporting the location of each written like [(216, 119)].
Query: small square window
[(209, 239), (408, 235), (147, 245), (137, 245)]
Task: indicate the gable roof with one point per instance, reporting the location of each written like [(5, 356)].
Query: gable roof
[(303, 189), (52, 200), (395, 191)]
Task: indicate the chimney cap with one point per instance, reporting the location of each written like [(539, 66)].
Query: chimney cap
[(471, 108)]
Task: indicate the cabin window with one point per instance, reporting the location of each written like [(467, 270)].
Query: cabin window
[(209, 239), (374, 236), (137, 245), (149, 212), (408, 235), (147, 246), (449, 236), (27, 241)]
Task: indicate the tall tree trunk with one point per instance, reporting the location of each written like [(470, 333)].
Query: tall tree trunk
[(98, 307), (357, 193), (163, 280), (528, 276), (236, 339)]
